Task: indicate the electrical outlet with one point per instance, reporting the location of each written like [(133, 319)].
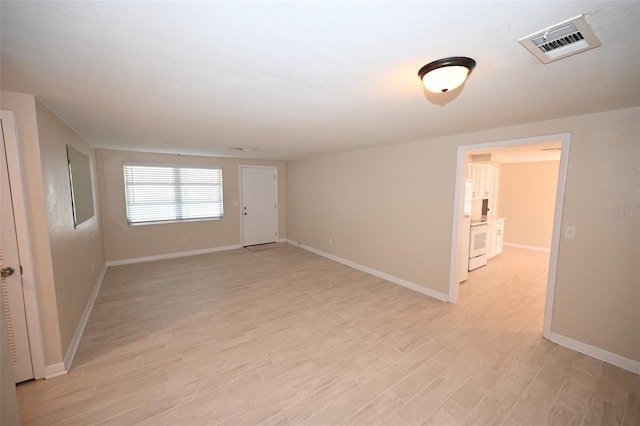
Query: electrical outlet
[(570, 232), (183, 239)]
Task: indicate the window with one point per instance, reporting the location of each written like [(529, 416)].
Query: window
[(168, 194)]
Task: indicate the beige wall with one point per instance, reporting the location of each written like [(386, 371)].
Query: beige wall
[(24, 107), (597, 295), (527, 198), (62, 255), (391, 209), (386, 208), (76, 253), (127, 242)]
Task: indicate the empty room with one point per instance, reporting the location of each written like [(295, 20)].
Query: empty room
[(320, 213)]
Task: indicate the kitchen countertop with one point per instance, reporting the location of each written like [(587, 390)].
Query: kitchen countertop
[(475, 220)]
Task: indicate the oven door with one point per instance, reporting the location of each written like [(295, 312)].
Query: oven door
[(478, 240)]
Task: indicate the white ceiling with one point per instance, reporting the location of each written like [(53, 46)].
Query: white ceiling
[(295, 79)]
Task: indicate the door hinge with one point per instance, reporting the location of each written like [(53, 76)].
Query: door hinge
[(21, 270)]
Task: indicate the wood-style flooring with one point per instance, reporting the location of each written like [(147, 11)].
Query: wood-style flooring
[(286, 337)]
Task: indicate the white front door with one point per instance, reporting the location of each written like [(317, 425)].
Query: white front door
[(12, 295), (259, 205)]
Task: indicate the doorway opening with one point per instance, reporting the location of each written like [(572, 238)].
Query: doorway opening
[(457, 251)]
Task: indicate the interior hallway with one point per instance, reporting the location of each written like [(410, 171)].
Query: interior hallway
[(284, 336)]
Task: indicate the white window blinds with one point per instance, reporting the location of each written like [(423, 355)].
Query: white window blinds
[(167, 194)]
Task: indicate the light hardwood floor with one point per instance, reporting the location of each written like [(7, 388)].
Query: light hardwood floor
[(283, 336)]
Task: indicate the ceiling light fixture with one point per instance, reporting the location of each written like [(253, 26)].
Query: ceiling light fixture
[(446, 74), (244, 149)]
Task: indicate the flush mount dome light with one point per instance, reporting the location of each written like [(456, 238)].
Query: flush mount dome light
[(446, 74)]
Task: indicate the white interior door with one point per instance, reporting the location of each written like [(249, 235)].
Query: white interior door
[(12, 294), (259, 205)]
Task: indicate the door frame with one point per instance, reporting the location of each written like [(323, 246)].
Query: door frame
[(458, 206), (29, 288), (275, 183)]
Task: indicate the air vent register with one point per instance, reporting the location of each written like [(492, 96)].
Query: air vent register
[(561, 40)]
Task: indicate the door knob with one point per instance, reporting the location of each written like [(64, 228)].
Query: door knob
[(7, 272)]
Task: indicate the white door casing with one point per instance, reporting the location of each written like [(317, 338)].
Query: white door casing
[(18, 197), (259, 204), (565, 139), (12, 294)]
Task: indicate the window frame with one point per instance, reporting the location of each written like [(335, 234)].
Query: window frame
[(171, 166)]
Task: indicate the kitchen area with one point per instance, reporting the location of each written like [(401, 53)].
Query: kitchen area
[(481, 232), (486, 230), (518, 183)]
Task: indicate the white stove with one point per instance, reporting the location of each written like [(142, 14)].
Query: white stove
[(478, 244)]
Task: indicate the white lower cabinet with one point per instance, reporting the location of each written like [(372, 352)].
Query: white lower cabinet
[(496, 237)]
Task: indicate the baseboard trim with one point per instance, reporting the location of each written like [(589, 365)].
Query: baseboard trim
[(54, 370), (171, 255), (393, 279), (524, 246), (595, 352), (73, 347)]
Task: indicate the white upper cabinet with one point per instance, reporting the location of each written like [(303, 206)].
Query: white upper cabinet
[(484, 179)]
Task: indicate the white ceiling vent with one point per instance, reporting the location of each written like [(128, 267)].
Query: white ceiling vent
[(561, 40)]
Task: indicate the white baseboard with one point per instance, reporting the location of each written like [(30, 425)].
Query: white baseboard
[(171, 255), (54, 370), (73, 347), (412, 286), (597, 353), (524, 246)]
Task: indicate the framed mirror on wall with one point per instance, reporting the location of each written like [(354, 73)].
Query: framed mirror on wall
[(81, 187)]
